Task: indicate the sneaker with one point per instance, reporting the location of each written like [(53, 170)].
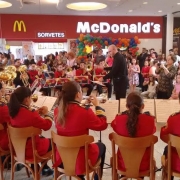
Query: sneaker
[(47, 172)]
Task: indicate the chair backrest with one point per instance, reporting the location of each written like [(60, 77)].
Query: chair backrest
[(1, 127), (68, 148), (18, 138), (132, 151)]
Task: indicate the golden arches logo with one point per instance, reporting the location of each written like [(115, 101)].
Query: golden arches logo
[(19, 25)]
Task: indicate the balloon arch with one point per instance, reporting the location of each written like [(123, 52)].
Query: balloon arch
[(85, 41)]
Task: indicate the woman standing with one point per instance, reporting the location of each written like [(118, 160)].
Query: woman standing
[(166, 75), (73, 120)]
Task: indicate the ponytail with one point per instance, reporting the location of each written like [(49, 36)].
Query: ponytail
[(68, 94), (16, 99), (134, 103)]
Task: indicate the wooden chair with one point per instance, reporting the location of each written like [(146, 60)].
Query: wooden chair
[(132, 151), (69, 147), (3, 153), (167, 172), (17, 141)]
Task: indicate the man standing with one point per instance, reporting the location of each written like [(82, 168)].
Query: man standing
[(141, 58), (118, 73)]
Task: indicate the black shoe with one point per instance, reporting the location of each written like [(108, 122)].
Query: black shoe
[(47, 172)]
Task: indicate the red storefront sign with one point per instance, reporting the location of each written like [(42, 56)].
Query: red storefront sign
[(60, 28)]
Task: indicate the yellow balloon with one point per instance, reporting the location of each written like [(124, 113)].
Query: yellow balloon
[(7, 47), (88, 49)]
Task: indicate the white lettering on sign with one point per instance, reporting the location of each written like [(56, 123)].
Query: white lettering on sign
[(104, 27), (50, 34)]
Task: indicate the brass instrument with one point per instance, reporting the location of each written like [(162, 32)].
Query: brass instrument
[(22, 69), (4, 76), (68, 70), (34, 98), (10, 68), (44, 67), (89, 67)]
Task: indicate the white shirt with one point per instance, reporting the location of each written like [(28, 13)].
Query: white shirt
[(151, 88)]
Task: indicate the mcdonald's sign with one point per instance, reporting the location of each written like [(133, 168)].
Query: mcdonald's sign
[(19, 25)]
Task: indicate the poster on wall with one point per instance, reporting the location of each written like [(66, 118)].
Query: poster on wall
[(19, 53), (27, 49), (72, 46)]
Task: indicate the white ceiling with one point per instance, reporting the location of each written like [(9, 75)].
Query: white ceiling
[(114, 8)]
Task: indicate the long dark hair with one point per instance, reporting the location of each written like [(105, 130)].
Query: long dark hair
[(134, 103), (68, 93), (17, 98)]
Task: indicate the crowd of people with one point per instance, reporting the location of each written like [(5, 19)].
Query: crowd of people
[(154, 74)]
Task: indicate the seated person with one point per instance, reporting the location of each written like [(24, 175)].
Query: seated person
[(4, 119), (83, 72), (71, 119), (33, 72), (132, 123), (99, 70), (172, 127), (152, 84), (22, 116), (60, 73)]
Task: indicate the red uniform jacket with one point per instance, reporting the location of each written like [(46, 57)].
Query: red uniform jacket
[(79, 72), (145, 127), (58, 74), (27, 118), (172, 127), (78, 122), (33, 74), (4, 119)]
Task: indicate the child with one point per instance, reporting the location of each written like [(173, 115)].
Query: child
[(151, 91), (145, 74), (176, 89), (134, 69)]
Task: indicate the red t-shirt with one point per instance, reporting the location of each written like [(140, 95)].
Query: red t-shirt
[(145, 69)]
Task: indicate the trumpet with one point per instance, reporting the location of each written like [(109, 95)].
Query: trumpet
[(68, 70), (24, 76)]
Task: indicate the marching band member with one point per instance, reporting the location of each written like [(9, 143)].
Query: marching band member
[(83, 72), (60, 73), (22, 116), (5, 118), (20, 78), (33, 72), (99, 70), (73, 120)]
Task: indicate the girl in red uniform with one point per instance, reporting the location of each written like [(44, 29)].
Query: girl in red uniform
[(22, 116), (172, 127), (132, 123), (4, 119), (73, 120)]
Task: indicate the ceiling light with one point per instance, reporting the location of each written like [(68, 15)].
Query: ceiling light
[(51, 1), (159, 11), (178, 3), (130, 10), (5, 4), (145, 2), (86, 6)]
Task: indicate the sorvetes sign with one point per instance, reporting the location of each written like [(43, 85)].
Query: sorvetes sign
[(50, 34)]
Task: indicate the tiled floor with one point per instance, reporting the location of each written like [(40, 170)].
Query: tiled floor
[(21, 175)]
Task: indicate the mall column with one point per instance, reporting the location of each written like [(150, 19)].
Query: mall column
[(169, 32)]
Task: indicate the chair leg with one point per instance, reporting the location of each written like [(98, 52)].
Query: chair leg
[(1, 169), (27, 172), (70, 178)]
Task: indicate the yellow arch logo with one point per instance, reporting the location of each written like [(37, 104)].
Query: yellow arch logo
[(19, 25)]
